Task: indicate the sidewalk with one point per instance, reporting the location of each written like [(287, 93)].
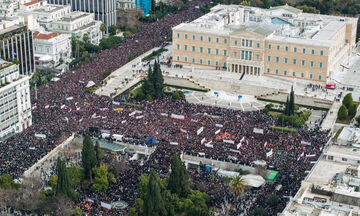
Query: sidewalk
[(331, 117)]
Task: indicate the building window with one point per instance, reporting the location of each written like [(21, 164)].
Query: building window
[(217, 63), (285, 60), (311, 64), (286, 48), (330, 157), (193, 48), (201, 49), (257, 57), (295, 49), (193, 60), (225, 41), (242, 42), (217, 40), (209, 39), (313, 51), (178, 46), (321, 52), (319, 77), (311, 76), (225, 53), (178, 58), (185, 36), (268, 70), (193, 37), (258, 45), (303, 62), (235, 42), (278, 47), (294, 61), (250, 43), (320, 65), (247, 43), (242, 54), (235, 54), (269, 58), (285, 72), (277, 59), (302, 75), (201, 38), (224, 65), (304, 50), (269, 46), (344, 159), (277, 71), (217, 51), (246, 55), (250, 56), (185, 47), (294, 74), (200, 61), (209, 50), (178, 35), (185, 59), (209, 62)]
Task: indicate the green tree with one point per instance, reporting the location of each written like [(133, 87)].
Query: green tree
[(308, 9), (237, 185), (154, 203), (132, 212), (179, 178), (112, 30), (86, 38), (343, 112), (143, 185), (101, 182), (7, 182), (245, 3), (103, 28), (287, 107), (53, 182), (348, 100), (63, 186), (352, 110), (139, 206), (292, 102), (99, 153), (76, 174), (88, 156)]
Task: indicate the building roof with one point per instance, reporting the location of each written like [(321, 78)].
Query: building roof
[(48, 36), (31, 3), (287, 8)]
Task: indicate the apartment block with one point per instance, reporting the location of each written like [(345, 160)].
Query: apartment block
[(280, 41)]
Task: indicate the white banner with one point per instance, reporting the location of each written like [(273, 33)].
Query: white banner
[(174, 143), (238, 145), (116, 103), (138, 111), (305, 143), (200, 130), (201, 154), (265, 144), (175, 116), (139, 117), (105, 205), (218, 131), (164, 114), (219, 125), (233, 150), (203, 140), (228, 141), (270, 153), (63, 106), (209, 145), (131, 114), (183, 130), (258, 131), (310, 155)]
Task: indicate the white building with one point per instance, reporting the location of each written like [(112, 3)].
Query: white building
[(15, 106), (51, 48), (8, 7), (125, 4), (77, 24)]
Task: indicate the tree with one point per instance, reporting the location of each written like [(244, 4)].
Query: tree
[(287, 106), (237, 185), (259, 211), (179, 179), (154, 204), (88, 156), (99, 153), (86, 38), (101, 182), (292, 102), (343, 112), (102, 28), (348, 100), (153, 6), (308, 9), (352, 110), (132, 212), (63, 185), (7, 182), (112, 30), (53, 182), (245, 3)]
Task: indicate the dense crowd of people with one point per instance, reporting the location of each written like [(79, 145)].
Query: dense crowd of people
[(63, 107)]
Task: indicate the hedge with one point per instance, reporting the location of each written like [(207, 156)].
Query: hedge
[(284, 129), (188, 88), (132, 104), (154, 54), (301, 105)]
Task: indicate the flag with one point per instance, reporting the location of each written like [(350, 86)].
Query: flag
[(12, 52)]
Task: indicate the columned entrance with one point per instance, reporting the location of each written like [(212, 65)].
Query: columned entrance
[(247, 69)]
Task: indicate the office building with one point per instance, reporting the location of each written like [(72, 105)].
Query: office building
[(104, 10), (280, 41), (16, 42), (15, 106), (144, 5)]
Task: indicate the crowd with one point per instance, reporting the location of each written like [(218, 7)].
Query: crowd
[(63, 107)]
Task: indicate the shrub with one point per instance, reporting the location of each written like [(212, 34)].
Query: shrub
[(348, 100), (284, 129), (343, 112), (266, 110)]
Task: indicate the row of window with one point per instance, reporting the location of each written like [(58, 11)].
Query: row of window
[(303, 62), (304, 51), (201, 49), (294, 74), (201, 61), (209, 39)]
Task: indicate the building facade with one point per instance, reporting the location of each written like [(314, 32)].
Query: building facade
[(16, 42), (15, 106), (104, 10), (144, 6), (125, 4), (53, 48), (280, 41)]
